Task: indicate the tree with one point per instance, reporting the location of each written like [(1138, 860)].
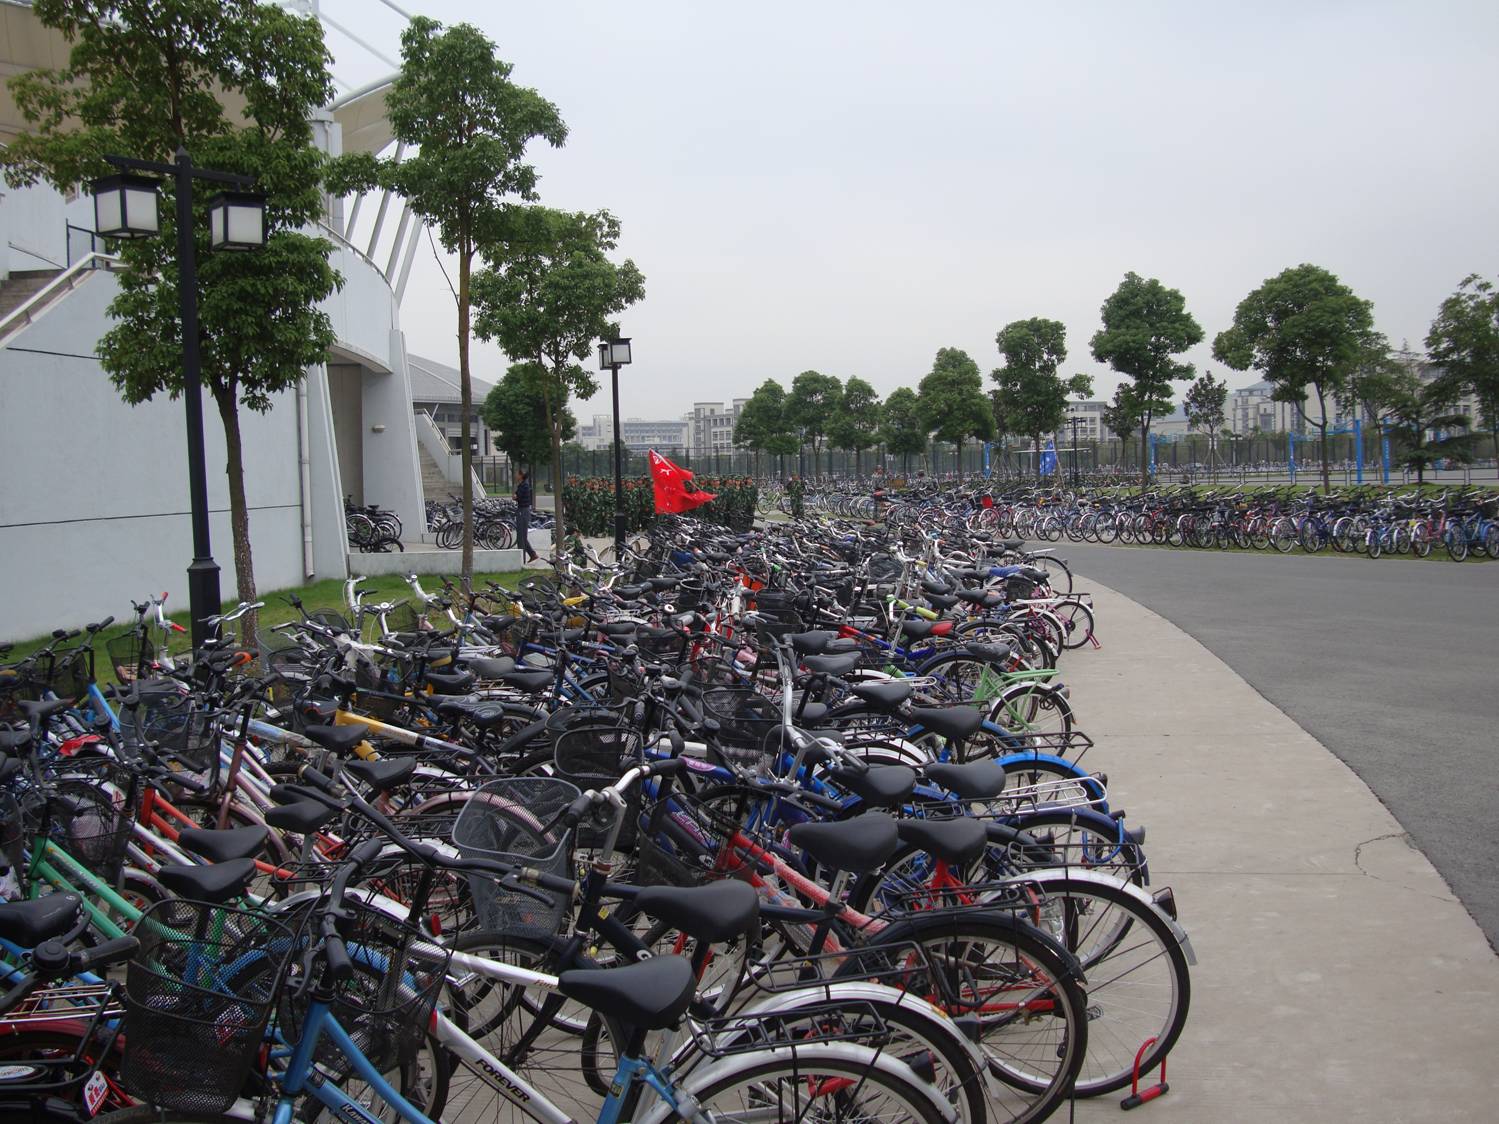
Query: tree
[(1464, 339), (145, 80), (762, 426), (1031, 396), (465, 126), (548, 293), (1301, 328), (1145, 325), (810, 408), (516, 412), (902, 429), (856, 422), (1416, 409), (1121, 417), (953, 404), (1204, 405)]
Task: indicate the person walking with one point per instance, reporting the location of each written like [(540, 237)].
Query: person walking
[(523, 500)]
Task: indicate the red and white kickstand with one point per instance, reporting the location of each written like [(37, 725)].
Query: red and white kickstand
[(1138, 1096)]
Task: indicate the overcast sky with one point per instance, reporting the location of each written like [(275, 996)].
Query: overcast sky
[(849, 187)]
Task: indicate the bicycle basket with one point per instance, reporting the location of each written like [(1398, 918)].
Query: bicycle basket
[(745, 719), (72, 671), (405, 617), (331, 618), (130, 655), (93, 809), (198, 995), (504, 822), (168, 720), (592, 756), (386, 1003)]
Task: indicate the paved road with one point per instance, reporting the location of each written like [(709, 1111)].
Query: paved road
[(1389, 664)]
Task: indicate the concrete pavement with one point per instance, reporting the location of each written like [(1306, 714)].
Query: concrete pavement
[(1386, 663), (1338, 977)]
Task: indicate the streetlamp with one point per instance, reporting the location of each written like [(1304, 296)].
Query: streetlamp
[(612, 356), (1076, 477), (125, 206)]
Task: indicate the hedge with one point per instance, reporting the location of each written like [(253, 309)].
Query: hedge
[(589, 503)]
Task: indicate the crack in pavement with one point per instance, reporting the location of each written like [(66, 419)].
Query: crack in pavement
[(1405, 837)]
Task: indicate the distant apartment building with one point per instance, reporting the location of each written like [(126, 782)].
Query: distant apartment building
[(638, 434), (713, 426), (1089, 417)]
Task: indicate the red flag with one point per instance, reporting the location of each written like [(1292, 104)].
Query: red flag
[(670, 484)]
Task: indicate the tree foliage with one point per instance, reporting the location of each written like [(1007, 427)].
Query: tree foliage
[(902, 428), (548, 294), (810, 407), (856, 422), (1204, 406), (1422, 418), (1145, 326), (954, 407), (1464, 339), (144, 80), (516, 412), (1302, 328), (1031, 398), (762, 426), (1121, 416), (466, 127)]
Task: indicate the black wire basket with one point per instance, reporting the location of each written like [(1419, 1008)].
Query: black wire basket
[(592, 755), (747, 722), (92, 811), (198, 996), (507, 821), (131, 655), (173, 725)]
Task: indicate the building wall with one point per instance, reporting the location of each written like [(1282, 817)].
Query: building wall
[(95, 510)]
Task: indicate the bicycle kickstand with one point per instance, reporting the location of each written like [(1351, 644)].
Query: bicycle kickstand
[(1138, 1096)]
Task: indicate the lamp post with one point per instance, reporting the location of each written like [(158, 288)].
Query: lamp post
[(612, 356), (125, 206), (1076, 476)]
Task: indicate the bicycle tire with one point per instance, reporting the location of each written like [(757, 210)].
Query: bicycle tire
[(788, 1080)]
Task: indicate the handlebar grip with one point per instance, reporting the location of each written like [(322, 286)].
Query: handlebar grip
[(667, 768), (340, 967), (110, 952), (316, 779)]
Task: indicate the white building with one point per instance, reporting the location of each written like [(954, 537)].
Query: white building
[(713, 426), (638, 434), (95, 510)]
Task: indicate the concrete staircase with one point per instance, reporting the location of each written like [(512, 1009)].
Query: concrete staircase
[(435, 486), (21, 286)]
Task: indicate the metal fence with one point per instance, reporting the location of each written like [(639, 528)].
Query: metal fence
[(1247, 458)]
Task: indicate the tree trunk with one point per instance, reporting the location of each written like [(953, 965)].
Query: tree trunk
[(554, 428), (1145, 455), (957, 447), (1036, 452), (1322, 440), (239, 511), (465, 404)]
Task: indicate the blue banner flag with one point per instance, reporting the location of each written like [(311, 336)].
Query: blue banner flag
[(1049, 458)]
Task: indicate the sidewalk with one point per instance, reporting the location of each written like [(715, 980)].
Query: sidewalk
[(1337, 979)]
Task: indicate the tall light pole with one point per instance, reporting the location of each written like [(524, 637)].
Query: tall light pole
[(612, 356), (125, 206), (1076, 477)]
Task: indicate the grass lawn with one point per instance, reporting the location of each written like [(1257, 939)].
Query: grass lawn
[(319, 595)]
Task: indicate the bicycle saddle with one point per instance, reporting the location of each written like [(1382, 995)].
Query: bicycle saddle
[(977, 780), (302, 817), (450, 683), (954, 723), (488, 667), (840, 663), (339, 739), (810, 643), (941, 601), (917, 629), (888, 695), (485, 714), (384, 775), (858, 846), (958, 841), (719, 911), (222, 845), (650, 994), (28, 924), (215, 883), (879, 786), (530, 680)]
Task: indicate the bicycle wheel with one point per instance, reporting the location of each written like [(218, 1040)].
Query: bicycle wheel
[(1283, 536), (1491, 540), (1457, 543), (1077, 622), (1031, 708), (1014, 981), (1058, 575), (1139, 983), (818, 1082)]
